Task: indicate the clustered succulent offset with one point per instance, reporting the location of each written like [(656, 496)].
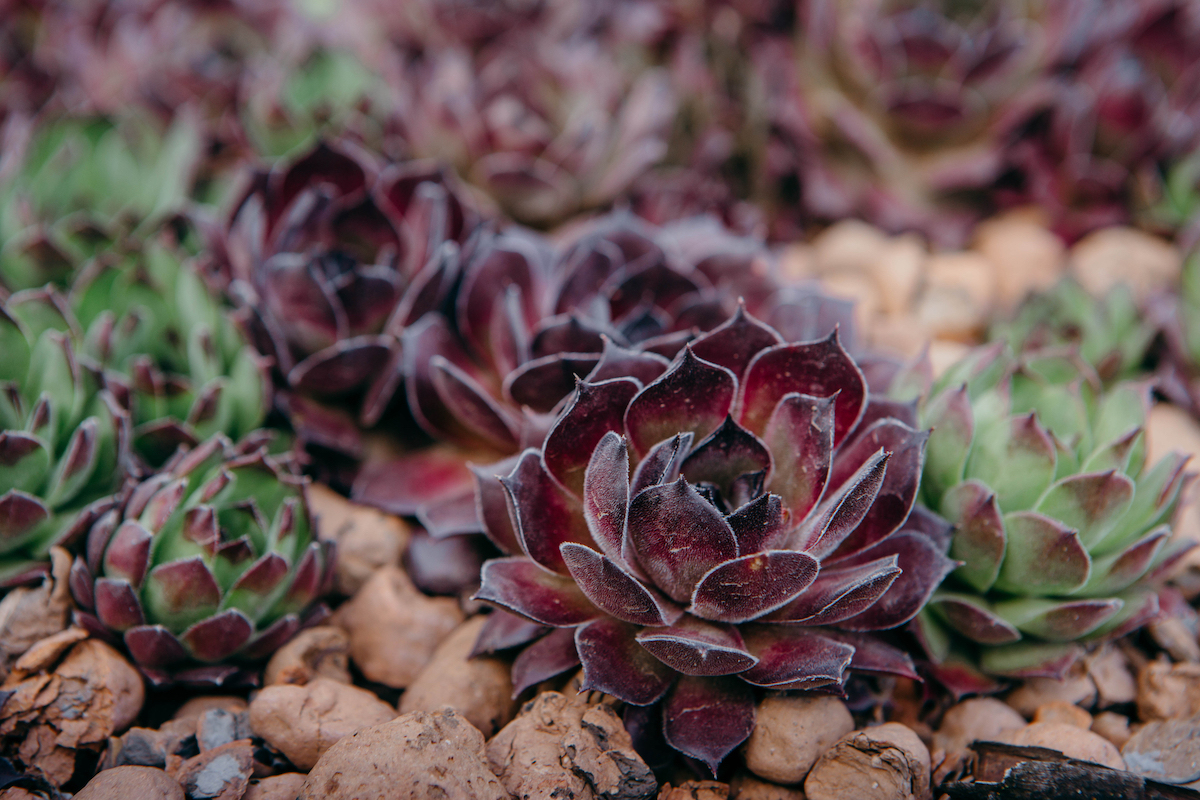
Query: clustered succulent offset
[(1059, 523), (211, 559), (739, 521)]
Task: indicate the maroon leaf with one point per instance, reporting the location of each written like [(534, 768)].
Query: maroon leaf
[(404, 485), (615, 591), (472, 407), (662, 464), (420, 343), (542, 383), (618, 362), (695, 647), (128, 553), (279, 633), (677, 537), (452, 516), (20, 513), (567, 334), (614, 663), (301, 302), (818, 369), (545, 515), (693, 396), (181, 589), (491, 503), (523, 587), (800, 438), (971, 617), (502, 630), (840, 513), (550, 655), (923, 568), (343, 367), (728, 453), (839, 594), (796, 658), (218, 637), (874, 656), (749, 587), (308, 578), (80, 582), (735, 343), (154, 646), (606, 494), (596, 411), (707, 718), (117, 604), (500, 263), (759, 525), (444, 566), (263, 576)]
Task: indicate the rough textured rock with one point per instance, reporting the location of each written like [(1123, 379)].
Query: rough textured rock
[(222, 773), (791, 733), (30, 614), (197, 707), (1111, 672), (1167, 751), (393, 628), (90, 695), (419, 756), (479, 688), (980, 718), (1112, 726), (695, 790), (1024, 254), (745, 786), (959, 291), (1110, 256), (888, 762), (1168, 691), (302, 722), (366, 537), (559, 747), (148, 747), (1077, 688), (1068, 740), (1066, 713), (220, 727), (277, 787), (128, 783), (320, 652)]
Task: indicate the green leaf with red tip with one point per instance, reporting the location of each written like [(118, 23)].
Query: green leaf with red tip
[(614, 663), (677, 537), (596, 410), (748, 587), (545, 515), (1055, 620), (792, 658), (1092, 504), (180, 593), (974, 618), (24, 462), (1119, 570), (1030, 659), (74, 469), (20, 514), (1153, 502), (799, 435), (521, 586), (691, 397), (817, 369), (615, 591), (695, 647), (1044, 557), (1016, 458), (218, 637), (15, 346), (708, 718), (979, 539)]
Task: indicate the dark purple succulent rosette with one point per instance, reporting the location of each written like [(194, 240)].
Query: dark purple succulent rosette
[(330, 257), (741, 521), (208, 564)]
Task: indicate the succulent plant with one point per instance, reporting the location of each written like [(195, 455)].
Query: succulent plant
[(767, 527), (330, 256), (1060, 525), (62, 435), (81, 184), (210, 560), (168, 350), (1111, 333)]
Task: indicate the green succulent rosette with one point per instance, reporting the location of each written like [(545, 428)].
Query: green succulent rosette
[(62, 435), (210, 561), (182, 366), (1060, 525), (79, 186)]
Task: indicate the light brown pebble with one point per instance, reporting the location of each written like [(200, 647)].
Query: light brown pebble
[(1168, 691), (897, 271), (1166, 750), (366, 537), (303, 722), (791, 733), (17, 793), (1076, 688), (850, 245), (222, 773), (888, 762), (1111, 672), (319, 652), (126, 783), (1066, 713), (1025, 255), (1112, 726), (1110, 256), (420, 756), (479, 688), (1068, 740), (197, 707), (745, 786), (277, 787), (394, 628), (563, 747), (976, 719), (695, 790), (957, 297)]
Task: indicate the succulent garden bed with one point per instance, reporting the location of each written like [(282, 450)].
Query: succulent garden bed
[(700, 401)]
